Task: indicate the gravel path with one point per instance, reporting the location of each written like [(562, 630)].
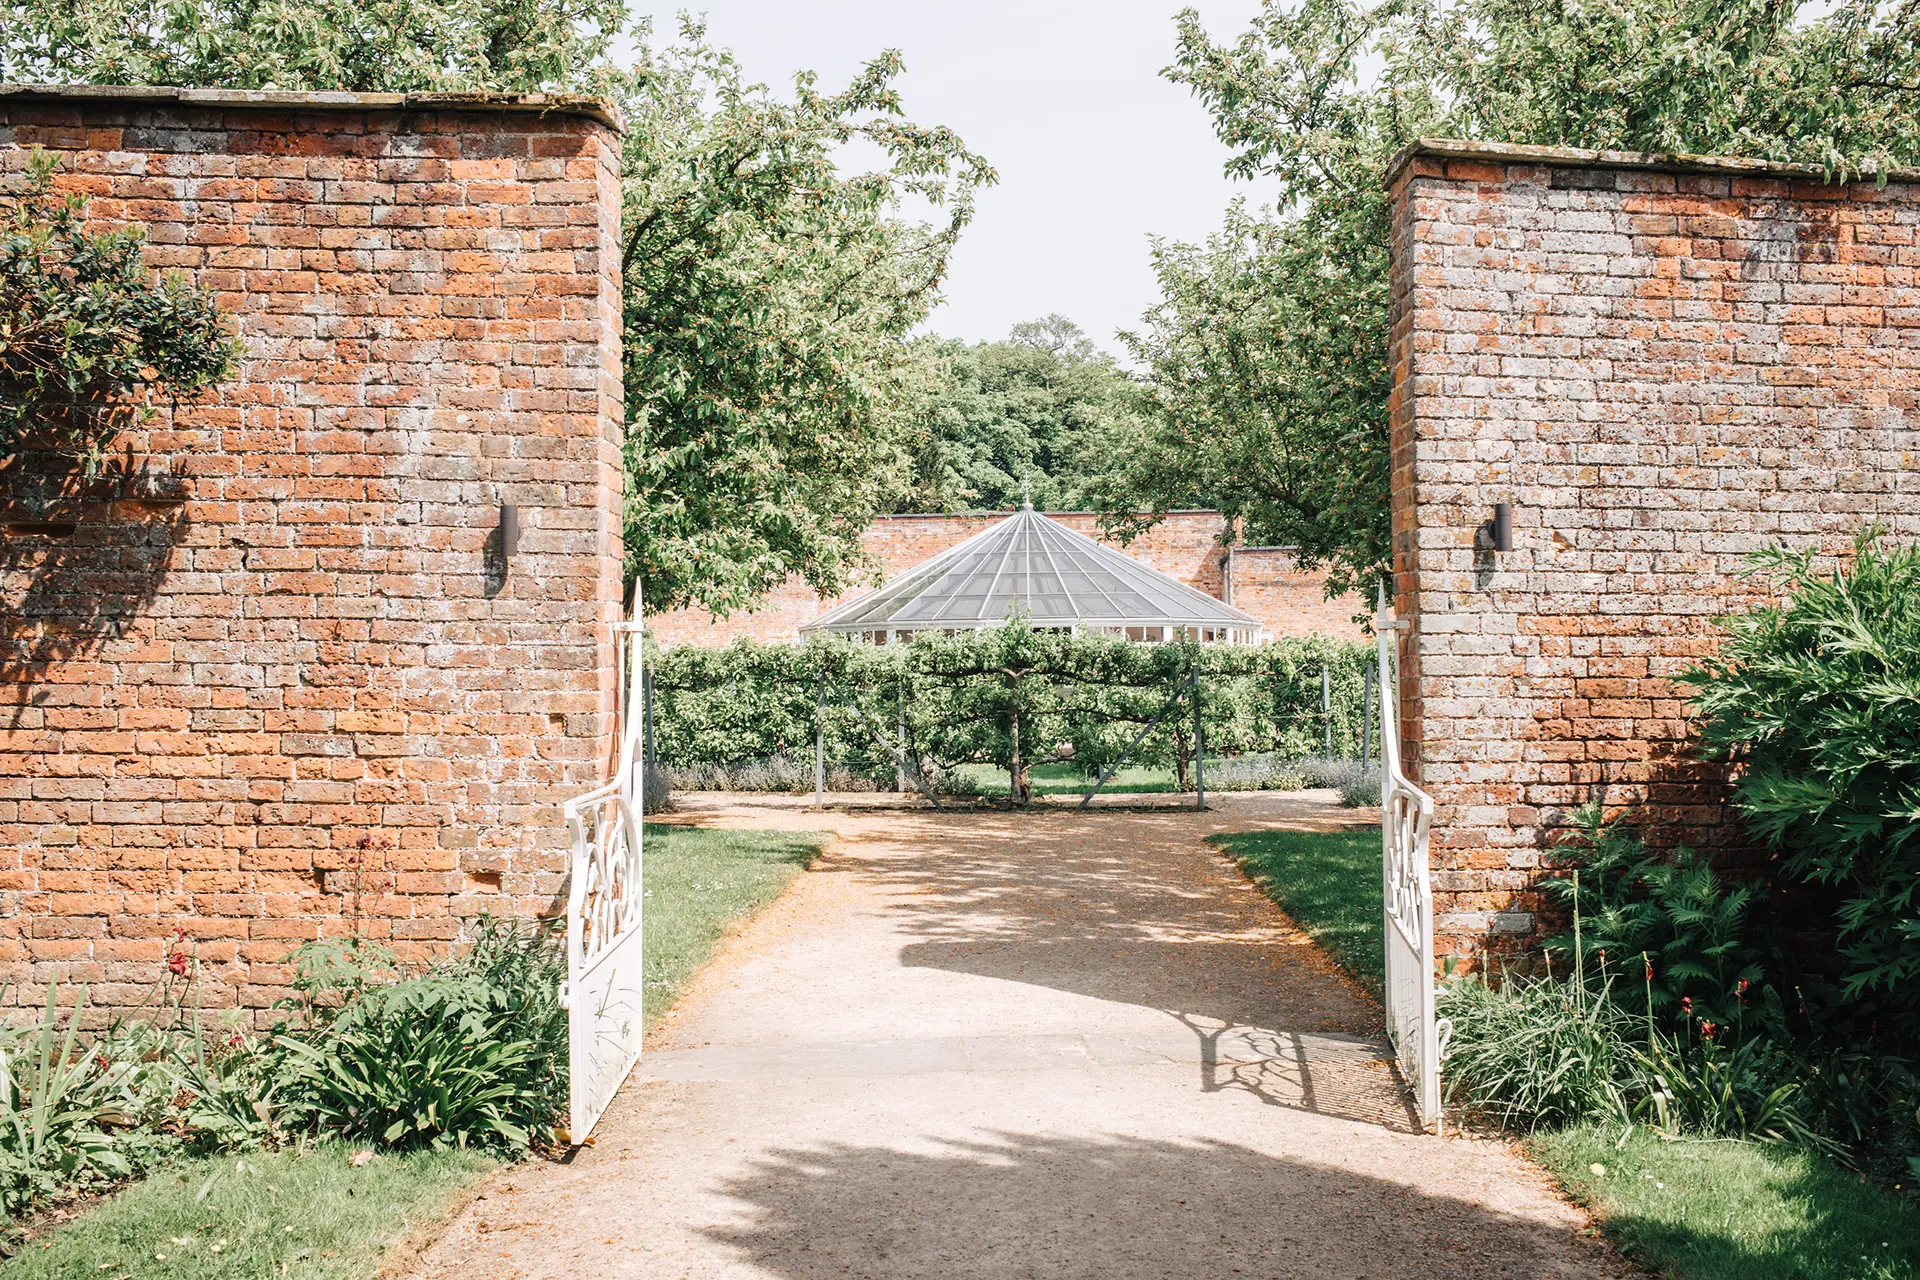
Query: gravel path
[(1045, 1045)]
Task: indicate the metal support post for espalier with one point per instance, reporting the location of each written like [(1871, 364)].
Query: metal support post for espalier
[(1326, 705), (1199, 744), (1366, 719), (646, 710), (900, 735), (820, 741)]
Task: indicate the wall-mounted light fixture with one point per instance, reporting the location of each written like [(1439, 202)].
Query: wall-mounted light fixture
[(1497, 534), (509, 529)]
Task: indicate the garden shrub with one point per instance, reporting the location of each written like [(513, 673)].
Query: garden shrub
[(1817, 704), (656, 789), (1694, 1025), (1684, 940), (1867, 1102), (60, 1105), (1538, 1053), (424, 1061), (1549, 1052), (787, 775), (471, 1053), (1718, 1019), (1358, 782)]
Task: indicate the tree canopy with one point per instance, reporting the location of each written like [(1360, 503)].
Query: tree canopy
[(85, 334), (772, 382), (1038, 415), (1267, 354), (391, 46)]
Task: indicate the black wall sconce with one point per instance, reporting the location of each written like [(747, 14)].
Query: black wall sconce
[(1497, 534), (509, 529)]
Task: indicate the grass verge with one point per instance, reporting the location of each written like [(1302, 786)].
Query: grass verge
[(699, 885), (1733, 1210), (294, 1214), (1329, 882)]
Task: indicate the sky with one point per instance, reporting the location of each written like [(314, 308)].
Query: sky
[(1095, 150)]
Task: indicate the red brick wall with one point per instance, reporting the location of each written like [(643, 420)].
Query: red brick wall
[(1187, 545), (280, 630), (1290, 601), (1663, 366)]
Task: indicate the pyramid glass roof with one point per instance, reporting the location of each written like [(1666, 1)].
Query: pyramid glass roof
[(1036, 566)]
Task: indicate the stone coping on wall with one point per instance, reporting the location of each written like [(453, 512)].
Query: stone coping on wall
[(573, 104), (1582, 158)]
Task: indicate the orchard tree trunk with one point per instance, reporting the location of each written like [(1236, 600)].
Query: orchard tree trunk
[(1019, 785)]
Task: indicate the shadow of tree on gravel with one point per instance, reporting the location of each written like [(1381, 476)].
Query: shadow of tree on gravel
[(1156, 919), (1023, 1205)]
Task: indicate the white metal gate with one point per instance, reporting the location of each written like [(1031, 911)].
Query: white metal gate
[(1405, 815), (605, 975)]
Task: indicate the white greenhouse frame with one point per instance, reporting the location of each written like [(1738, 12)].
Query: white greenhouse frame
[(1037, 568)]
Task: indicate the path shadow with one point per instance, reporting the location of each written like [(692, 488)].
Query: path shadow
[(1022, 898), (1118, 1208), (1116, 917)]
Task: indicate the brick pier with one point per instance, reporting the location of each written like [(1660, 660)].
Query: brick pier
[(1664, 364), (272, 677)]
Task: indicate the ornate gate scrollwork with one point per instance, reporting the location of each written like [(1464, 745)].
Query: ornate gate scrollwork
[(605, 971), (1406, 812)]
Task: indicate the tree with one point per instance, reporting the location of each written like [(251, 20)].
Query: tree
[(1037, 415), (1268, 352), (772, 385), (85, 334), (361, 45), (1269, 390)]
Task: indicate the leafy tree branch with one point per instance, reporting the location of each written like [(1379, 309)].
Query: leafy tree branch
[(1271, 338), (87, 336)]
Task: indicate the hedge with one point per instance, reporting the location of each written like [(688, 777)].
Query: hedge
[(971, 697)]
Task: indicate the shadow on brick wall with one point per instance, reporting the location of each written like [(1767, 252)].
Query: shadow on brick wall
[(81, 560)]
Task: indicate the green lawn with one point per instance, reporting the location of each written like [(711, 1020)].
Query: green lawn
[(294, 1214), (1329, 882), (700, 884), (1734, 1210)]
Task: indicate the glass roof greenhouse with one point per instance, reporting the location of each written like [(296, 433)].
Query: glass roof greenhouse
[(1058, 578)]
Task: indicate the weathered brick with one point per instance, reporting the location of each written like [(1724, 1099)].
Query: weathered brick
[(1717, 380), (272, 625)]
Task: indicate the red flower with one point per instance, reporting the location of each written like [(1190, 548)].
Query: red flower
[(1686, 1005), (1706, 1030), (1649, 964), (1741, 994), (177, 962)]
